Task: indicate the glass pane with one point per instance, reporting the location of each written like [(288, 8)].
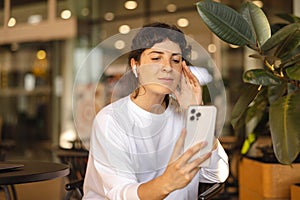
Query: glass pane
[(25, 98)]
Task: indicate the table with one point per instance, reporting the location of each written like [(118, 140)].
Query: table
[(32, 171)]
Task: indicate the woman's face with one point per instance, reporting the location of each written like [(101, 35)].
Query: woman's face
[(161, 67)]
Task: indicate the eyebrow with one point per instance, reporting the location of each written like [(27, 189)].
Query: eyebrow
[(161, 52)]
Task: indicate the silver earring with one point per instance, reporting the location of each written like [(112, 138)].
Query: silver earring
[(134, 71)]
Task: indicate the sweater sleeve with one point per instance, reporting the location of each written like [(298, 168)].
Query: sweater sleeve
[(109, 173), (218, 169)]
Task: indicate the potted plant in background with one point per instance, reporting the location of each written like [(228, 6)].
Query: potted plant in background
[(272, 91)]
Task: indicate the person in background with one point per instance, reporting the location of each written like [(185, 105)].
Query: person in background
[(136, 145)]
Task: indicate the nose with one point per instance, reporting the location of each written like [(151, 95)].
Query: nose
[(166, 65)]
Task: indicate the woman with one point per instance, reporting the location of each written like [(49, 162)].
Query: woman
[(136, 149)]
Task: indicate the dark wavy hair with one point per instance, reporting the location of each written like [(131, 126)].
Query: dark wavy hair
[(153, 33)]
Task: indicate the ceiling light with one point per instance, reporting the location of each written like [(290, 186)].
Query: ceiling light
[(183, 22), (171, 7), (65, 14), (124, 29), (12, 22), (212, 48), (119, 44), (109, 16), (41, 54), (130, 5)]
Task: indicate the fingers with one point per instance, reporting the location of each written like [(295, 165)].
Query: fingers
[(190, 77), (196, 163), (193, 167), (192, 151), (181, 171), (189, 169)]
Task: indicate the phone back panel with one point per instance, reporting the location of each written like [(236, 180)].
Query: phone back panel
[(201, 122)]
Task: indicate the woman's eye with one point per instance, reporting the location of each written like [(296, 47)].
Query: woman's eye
[(155, 58), (176, 61)]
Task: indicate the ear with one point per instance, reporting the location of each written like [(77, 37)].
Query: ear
[(133, 67), (132, 62)]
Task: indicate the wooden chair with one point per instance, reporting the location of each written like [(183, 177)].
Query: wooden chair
[(77, 161)]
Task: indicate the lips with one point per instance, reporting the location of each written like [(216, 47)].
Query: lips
[(166, 80)]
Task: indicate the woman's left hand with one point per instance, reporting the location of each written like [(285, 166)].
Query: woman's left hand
[(190, 90)]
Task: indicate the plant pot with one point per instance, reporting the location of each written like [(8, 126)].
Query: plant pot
[(295, 191), (260, 181)]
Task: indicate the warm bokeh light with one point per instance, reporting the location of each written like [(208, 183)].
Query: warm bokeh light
[(109, 16), (41, 54), (65, 14), (212, 48), (171, 7), (130, 5), (183, 22), (12, 22), (85, 12), (119, 44), (124, 29)]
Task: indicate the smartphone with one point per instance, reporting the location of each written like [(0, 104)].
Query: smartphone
[(200, 126)]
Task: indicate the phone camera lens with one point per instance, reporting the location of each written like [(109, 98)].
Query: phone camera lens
[(192, 118), (198, 114), (193, 111)]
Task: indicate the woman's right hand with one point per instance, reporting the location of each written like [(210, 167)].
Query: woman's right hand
[(178, 174), (180, 171)]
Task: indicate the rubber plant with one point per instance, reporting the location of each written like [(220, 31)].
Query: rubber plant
[(273, 87)]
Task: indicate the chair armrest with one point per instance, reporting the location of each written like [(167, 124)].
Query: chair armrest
[(213, 190)]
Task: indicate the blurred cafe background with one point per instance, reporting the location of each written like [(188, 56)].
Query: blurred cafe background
[(43, 44)]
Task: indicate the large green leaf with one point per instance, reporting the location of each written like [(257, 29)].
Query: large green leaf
[(289, 45), (276, 91), (261, 77), (288, 17), (293, 72), (248, 94), (292, 60), (257, 109), (226, 23), (280, 36), (284, 126), (258, 21)]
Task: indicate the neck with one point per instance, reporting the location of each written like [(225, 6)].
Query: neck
[(151, 103)]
